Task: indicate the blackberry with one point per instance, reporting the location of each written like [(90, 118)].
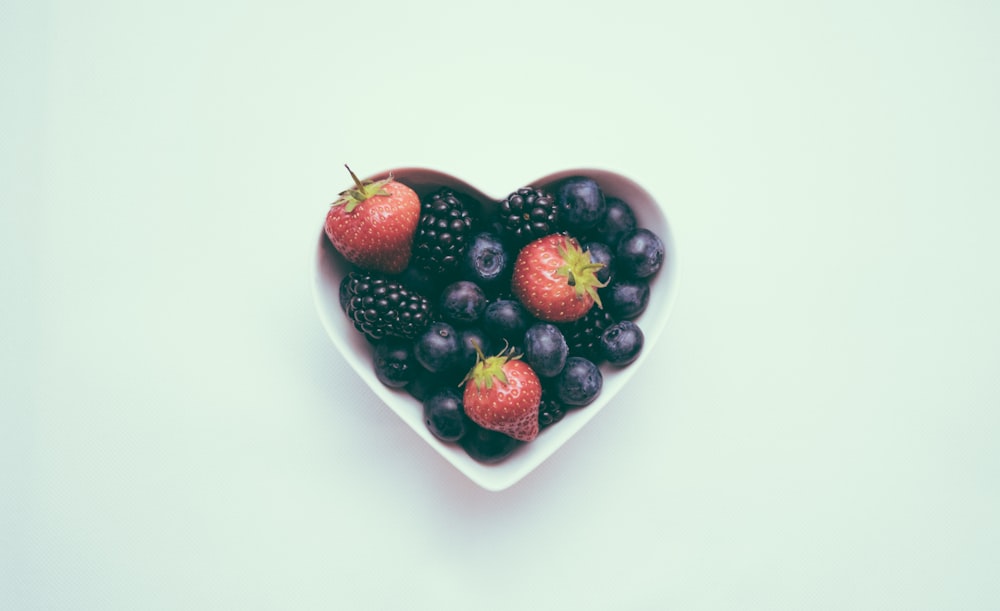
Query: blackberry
[(381, 307), (528, 214), (583, 336), (442, 233), (550, 410)]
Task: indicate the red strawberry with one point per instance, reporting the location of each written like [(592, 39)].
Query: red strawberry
[(372, 225), (555, 279), (502, 393)]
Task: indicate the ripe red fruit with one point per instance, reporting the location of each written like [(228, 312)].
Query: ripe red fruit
[(372, 224), (555, 279), (502, 393)]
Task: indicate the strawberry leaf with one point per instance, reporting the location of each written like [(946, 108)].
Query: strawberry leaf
[(580, 270), (361, 192), (488, 369)]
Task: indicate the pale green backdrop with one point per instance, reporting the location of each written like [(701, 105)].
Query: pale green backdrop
[(816, 430)]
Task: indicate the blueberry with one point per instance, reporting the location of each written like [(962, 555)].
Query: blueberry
[(640, 253), (601, 253), (580, 382), (486, 446), (445, 416), (468, 339), (423, 385), (462, 302), (427, 383), (437, 348), (395, 364), (487, 262), (626, 298), (545, 349), (420, 280), (581, 204), (622, 342), (618, 221), (506, 319)]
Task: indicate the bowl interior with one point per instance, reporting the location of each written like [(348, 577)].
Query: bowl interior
[(330, 268)]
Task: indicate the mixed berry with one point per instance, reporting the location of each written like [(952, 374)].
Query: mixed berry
[(497, 317)]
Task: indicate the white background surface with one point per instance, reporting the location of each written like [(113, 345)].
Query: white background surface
[(816, 430)]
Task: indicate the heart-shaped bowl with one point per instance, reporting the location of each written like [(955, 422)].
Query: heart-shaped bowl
[(330, 268)]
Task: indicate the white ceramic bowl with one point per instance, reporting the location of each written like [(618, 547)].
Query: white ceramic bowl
[(330, 268)]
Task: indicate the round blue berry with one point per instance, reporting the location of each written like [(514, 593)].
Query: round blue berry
[(445, 416), (581, 204), (462, 302), (437, 349), (468, 339), (486, 446), (626, 298), (618, 221), (580, 382), (622, 342), (506, 319), (545, 349), (420, 280), (640, 253), (395, 364), (487, 262), (601, 253)]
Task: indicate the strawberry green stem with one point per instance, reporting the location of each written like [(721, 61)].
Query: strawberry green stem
[(489, 368), (580, 271), (357, 181), (361, 192)]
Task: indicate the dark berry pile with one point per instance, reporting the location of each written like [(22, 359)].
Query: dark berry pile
[(455, 301)]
